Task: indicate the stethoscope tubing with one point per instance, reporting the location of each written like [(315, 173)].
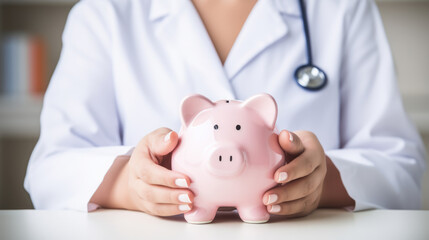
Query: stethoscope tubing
[(306, 32), (321, 79)]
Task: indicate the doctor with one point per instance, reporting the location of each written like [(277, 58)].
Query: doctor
[(125, 66)]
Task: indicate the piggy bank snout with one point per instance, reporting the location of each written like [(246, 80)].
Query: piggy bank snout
[(226, 160)]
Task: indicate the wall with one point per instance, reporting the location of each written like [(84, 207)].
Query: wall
[(406, 25)]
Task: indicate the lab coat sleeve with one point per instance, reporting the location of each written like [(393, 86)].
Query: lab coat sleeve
[(80, 128), (382, 158)]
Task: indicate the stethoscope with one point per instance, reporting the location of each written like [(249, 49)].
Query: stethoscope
[(309, 76)]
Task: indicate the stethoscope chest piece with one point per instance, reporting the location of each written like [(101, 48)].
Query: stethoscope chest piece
[(310, 77)]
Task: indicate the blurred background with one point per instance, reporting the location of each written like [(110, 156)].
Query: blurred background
[(30, 33)]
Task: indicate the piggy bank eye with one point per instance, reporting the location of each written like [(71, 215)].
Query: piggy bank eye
[(238, 127), (216, 126)]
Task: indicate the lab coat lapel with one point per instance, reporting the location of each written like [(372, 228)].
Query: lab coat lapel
[(263, 27), (181, 27)]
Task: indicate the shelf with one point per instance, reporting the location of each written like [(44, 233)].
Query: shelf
[(20, 116)]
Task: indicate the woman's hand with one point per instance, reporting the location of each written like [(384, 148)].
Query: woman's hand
[(153, 188), (301, 179), (143, 183)]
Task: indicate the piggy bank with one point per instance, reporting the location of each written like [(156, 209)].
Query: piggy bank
[(230, 151)]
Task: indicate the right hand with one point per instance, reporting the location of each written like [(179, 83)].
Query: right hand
[(153, 188)]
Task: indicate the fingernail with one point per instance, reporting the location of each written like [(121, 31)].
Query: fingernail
[(184, 198), (167, 137), (184, 207), (282, 177), (290, 137), (272, 198), (181, 182), (275, 208)]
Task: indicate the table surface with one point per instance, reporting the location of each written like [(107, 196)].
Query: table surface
[(120, 224)]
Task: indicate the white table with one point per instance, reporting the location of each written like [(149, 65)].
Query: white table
[(117, 224)]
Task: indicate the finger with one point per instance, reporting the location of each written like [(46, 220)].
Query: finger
[(301, 206), (302, 166), (296, 189), (156, 145), (146, 163), (291, 144), (159, 209), (160, 143), (154, 174), (159, 194)]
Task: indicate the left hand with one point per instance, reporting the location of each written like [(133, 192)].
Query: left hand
[(301, 179)]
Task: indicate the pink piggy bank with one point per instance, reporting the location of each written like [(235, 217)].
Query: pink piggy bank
[(230, 151)]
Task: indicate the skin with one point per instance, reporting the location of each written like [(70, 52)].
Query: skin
[(312, 179), (223, 20), (144, 181)]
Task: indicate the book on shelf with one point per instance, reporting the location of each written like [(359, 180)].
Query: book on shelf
[(23, 65)]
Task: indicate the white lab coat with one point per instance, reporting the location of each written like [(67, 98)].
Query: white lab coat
[(126, 65)]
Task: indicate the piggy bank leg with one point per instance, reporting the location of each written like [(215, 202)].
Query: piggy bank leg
[(201, 215), (253, 214)]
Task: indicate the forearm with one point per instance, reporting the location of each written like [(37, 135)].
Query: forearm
[(334, 194), (113, 191)]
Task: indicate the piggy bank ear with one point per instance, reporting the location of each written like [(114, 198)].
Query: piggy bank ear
[(193, 105), (265, 106)]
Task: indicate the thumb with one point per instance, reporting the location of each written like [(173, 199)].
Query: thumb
[(290, 143), (161, 142)]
